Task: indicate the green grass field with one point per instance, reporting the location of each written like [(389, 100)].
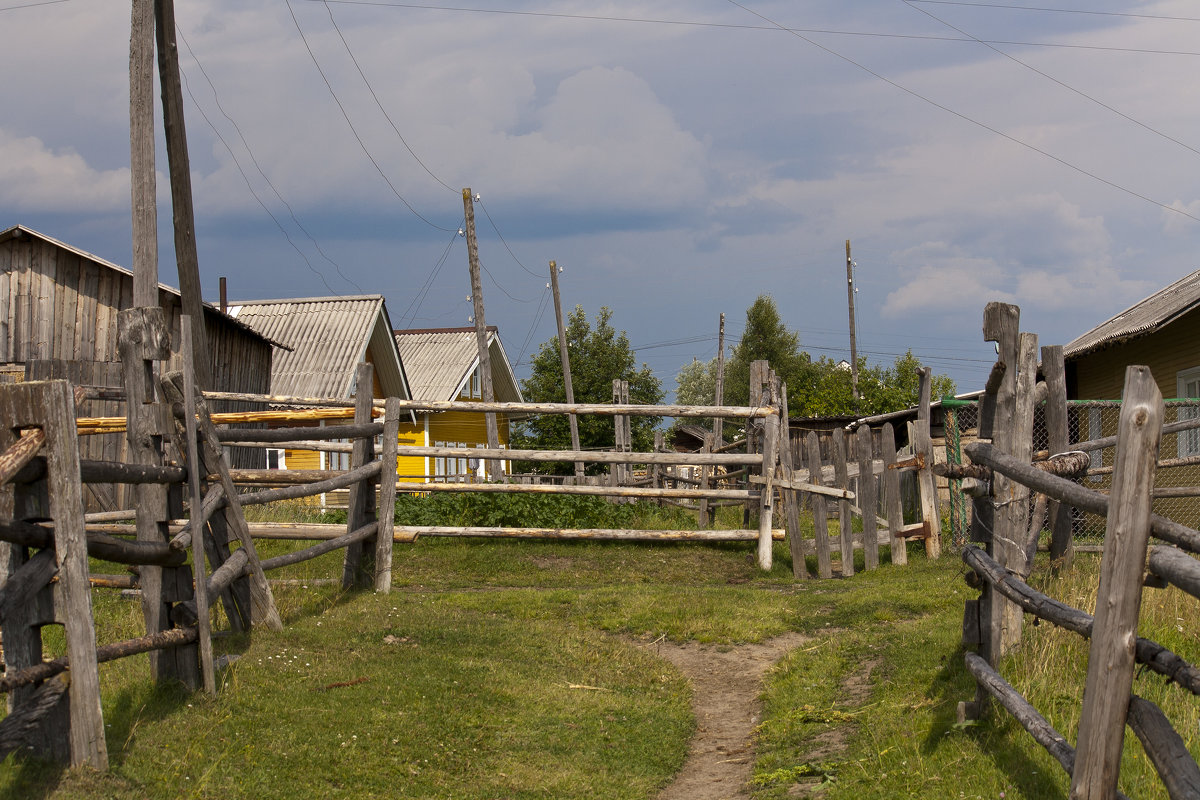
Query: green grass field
[(464, 682)]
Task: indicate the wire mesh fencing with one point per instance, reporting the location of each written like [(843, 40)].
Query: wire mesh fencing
[(1088, 420)]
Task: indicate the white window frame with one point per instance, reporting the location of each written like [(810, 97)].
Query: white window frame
[(1187, 443)]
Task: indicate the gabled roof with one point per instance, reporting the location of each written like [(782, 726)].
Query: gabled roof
[(21, 231), (1151, 314), (440, 361), (328, 337)]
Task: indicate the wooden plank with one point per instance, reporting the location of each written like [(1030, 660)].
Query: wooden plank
[(1111, 655), (923, 446), (387, 497), (1058, 441), (892, 502), (358, 565), (845, 521), (770, 443), (791, 500), (868, 500), (51, 407), (199, 522), (820, 517), (1165, 748)]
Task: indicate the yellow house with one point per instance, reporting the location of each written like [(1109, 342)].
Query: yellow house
[(327, 338), (443, 364)]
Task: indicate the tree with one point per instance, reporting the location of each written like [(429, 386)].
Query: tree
[(815, 388), (599, 356), (766, 338)]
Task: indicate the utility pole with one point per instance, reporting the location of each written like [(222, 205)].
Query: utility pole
[(566, 366), (187, 261), (141, 146), (481, 334), (853, 345), (719, 393)]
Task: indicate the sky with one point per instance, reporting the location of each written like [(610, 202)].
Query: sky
[(676, 159)]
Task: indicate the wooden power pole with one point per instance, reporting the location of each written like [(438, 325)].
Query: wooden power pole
[(481, 336), (186, 259), (853, 344), (566, 365)]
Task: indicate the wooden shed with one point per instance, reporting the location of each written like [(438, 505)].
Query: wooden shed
[(58, 319)]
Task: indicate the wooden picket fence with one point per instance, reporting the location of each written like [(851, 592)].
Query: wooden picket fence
[(1004, 478)]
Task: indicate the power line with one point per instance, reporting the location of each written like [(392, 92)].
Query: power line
[(33, 5), (258, 167), (1060, 10), (1031, 68), (735, 26), (371, 89), (973, 121), (354, 130), (418, 298), (503, 241)]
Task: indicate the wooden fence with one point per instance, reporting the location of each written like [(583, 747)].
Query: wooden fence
[(1005, 477), (186, 563)]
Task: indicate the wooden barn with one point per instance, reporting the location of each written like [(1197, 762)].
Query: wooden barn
[(443, 364), (326, 339), (58, 319)]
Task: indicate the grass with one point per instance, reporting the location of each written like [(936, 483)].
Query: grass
[(507, 669)]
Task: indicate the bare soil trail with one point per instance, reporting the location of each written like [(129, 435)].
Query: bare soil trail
[(726, 684)]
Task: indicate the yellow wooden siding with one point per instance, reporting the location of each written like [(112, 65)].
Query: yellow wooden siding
[(302, 459), (1101, 375), (411, 468)]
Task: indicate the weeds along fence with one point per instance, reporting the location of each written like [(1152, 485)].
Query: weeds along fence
[(186, 563), (1003, 476)]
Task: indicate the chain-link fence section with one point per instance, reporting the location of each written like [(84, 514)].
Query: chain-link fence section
[(1179, 461)]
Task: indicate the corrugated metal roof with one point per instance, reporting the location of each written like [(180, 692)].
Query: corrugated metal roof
[(439, 361), (1148, 315), (328, 337)]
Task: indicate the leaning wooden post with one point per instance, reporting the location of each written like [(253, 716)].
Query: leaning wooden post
[(358, 564), (820, 518), (891, 496), (481, 334), (770, 441), (1111, 654), (758, 371), (702, 506), (1062, 544), (923, 447), (387, 495), (867, 497), (199, 527), (845, 520)]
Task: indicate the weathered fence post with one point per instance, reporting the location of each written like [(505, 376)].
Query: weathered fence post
[(820, 517), (791, 498), (73, 729), (143, 341), (770, 446), (867, 497), (923, 448), (1062, 544), (358, 564), (845, 516), (387, 495), (199, 525), (892, 501), (1111, 655)]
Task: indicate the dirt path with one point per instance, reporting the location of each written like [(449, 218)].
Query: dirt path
[(726, 684)]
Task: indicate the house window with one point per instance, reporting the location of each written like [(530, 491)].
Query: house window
[(275, 458), (439, 463), (1187, 384), (475, 390)]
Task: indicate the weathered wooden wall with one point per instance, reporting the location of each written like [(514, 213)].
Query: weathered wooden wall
[(58, 319)]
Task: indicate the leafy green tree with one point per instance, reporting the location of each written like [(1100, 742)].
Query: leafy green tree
[(767, 338), (599, 355)]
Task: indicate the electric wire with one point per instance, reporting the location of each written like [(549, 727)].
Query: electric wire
[(354, 130), (736, 26), (1060, 10), (505, 242), (187, 87), (1008, 137), (912, 4), (34, 5), (419, 296), (382, 110), (537, 317), (257, 166)]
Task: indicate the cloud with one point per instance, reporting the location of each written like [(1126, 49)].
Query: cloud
[(1176, 224), (36, 178)]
